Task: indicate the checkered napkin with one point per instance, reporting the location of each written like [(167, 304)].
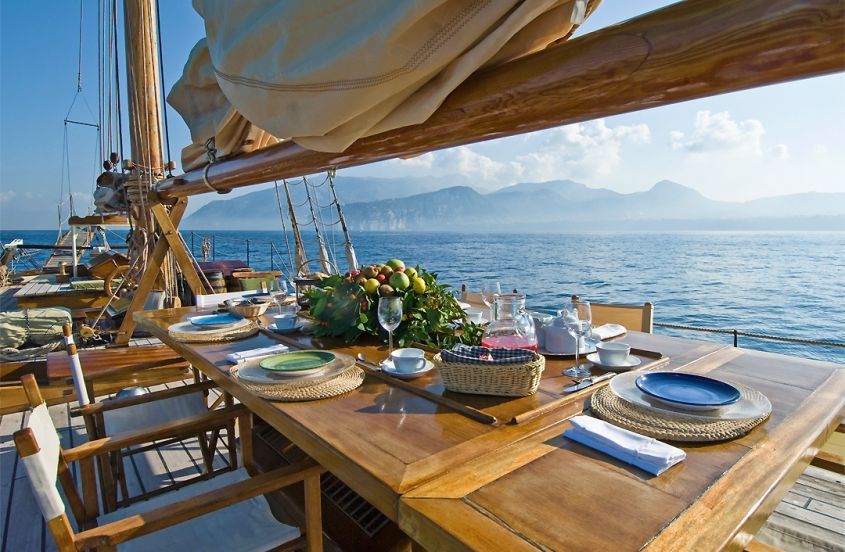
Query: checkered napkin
[(466, 354)]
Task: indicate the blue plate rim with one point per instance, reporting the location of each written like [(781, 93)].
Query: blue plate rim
[(737, 394), (200, 323)]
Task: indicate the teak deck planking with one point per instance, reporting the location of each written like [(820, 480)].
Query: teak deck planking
[(392, 443)]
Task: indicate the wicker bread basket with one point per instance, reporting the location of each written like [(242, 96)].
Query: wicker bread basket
[(247, 309), (504, 380)]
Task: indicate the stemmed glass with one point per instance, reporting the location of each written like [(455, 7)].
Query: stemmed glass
[(281, 292), (578, 319), (490, 289), (390, 316)]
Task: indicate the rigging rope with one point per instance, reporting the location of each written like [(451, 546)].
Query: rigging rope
[(163, 93)]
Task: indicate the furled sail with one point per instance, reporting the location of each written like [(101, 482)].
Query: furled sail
[(327, 72)]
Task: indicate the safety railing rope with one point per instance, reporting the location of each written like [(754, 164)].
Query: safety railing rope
[(754, 335)]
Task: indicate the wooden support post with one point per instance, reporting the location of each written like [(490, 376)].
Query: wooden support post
[(149, 277), (177, 247)]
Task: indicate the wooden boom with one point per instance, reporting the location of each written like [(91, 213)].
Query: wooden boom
[(688, 50)]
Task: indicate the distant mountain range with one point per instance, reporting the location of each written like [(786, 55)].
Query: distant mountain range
[(449, 204)]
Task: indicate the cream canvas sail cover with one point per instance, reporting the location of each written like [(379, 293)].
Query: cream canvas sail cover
[(327, 72)]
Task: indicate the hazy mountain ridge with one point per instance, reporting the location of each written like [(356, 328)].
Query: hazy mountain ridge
[(385, 204)]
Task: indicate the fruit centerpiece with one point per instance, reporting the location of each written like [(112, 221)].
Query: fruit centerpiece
[(346, 306)]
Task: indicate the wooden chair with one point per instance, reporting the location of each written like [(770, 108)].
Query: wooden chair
[(132, 414), (635, 318), (224, 513)]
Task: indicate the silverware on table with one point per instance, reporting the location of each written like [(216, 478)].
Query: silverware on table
[(587, 382), (468, 411)]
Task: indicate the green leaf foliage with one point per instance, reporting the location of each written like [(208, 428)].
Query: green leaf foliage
[(341, 307)]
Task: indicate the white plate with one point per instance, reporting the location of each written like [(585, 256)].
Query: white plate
[(746, 408), (388, 368), (631, 362), (589, 347), (275, 329)]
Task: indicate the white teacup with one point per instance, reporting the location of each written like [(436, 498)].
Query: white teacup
[(474, 314), (285, 321), (408, 360), (614, 353)]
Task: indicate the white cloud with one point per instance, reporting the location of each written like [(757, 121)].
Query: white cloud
[(718, 132), (581, 150), (6, 196), (779, 152), (819, 150), (461, 160), (584, 150)]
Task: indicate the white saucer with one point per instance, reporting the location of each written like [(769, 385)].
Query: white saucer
[(275, 329), (388, 368), (631, 362)]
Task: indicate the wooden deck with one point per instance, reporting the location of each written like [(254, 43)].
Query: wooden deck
[(43, 291), (60, 256)]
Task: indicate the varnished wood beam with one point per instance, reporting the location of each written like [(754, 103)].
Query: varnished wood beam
[(688, 50)]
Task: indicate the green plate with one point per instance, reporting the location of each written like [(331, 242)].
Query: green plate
[(297, 362)]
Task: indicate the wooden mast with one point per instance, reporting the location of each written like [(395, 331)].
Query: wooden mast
[(351, 259), (155, 233), (145, 129), (688, 50), (325, 264), (300, 256)]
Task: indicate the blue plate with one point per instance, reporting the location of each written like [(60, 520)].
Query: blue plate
[(214, 320), (688, 391)]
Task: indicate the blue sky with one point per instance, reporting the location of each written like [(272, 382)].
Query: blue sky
[(767, 141)]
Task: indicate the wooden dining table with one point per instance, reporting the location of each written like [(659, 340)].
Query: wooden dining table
[(454, 483)]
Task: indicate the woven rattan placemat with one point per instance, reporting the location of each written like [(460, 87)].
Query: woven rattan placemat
[(304, 391), (206, 336), (663, 425)]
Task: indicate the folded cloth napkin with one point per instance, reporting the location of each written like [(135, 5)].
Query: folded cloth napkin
[(608, 331), (255, 354), (644, 452), (482, 355)]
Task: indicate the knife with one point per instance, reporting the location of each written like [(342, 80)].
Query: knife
[(587, 382)]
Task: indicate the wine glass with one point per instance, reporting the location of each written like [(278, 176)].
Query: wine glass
[(490, 289), (578, 318), (390, 316), (280, 293)]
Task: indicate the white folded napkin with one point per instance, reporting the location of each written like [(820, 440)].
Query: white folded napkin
[(644, 452), (256, 354), (608, 331)]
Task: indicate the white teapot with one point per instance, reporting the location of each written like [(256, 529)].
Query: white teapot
[(557, 337)]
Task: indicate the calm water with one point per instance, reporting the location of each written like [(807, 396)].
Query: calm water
[(789, 284)]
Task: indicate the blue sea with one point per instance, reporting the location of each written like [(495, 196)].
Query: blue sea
[(781, 283)]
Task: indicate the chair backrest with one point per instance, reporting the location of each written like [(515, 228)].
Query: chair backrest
[(75, 367), (39, 449), (41, 454), (635, 318)]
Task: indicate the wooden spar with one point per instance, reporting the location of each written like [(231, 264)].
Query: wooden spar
[(301, 258), (321, 245), (142, 77), (351, 259), (142, 73), (688, 50)]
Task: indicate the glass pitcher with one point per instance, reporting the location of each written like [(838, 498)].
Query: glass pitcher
[(512, 326)]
